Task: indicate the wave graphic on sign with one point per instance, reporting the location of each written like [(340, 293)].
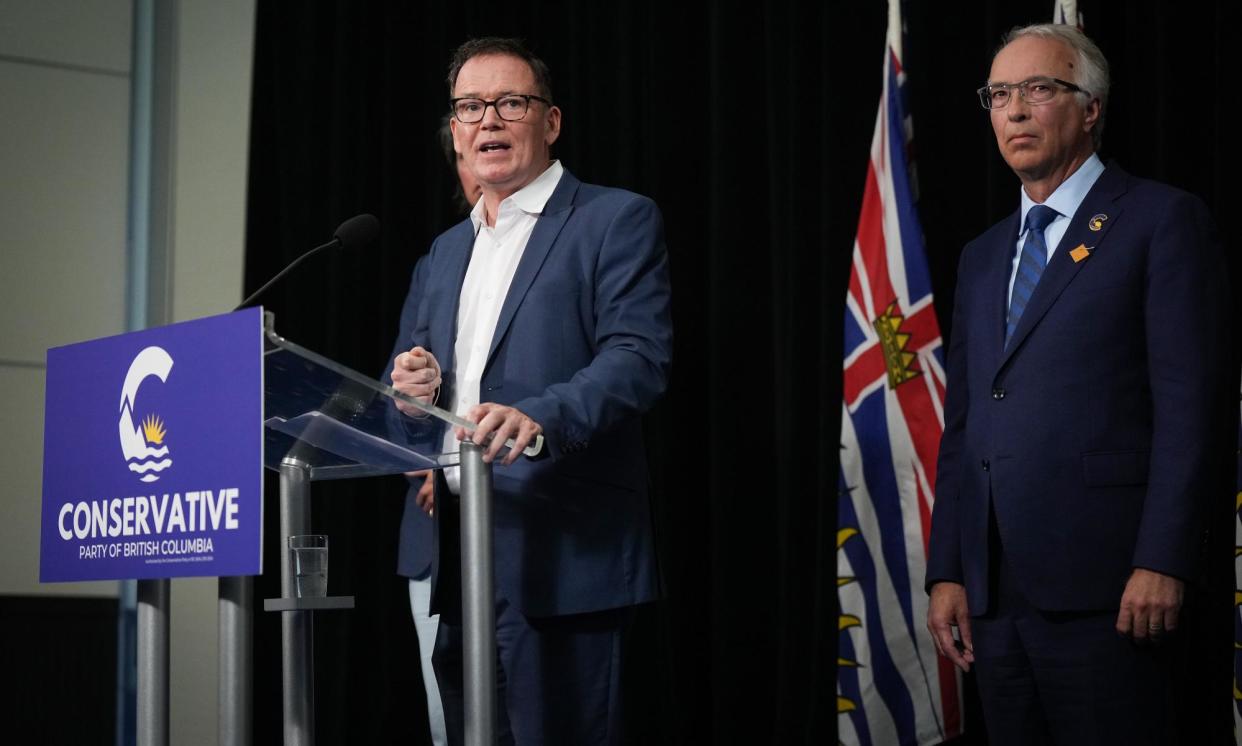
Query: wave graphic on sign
[(143, 444)]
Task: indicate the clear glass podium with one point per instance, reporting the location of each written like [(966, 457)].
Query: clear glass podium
[(323, 421), (341, 424)]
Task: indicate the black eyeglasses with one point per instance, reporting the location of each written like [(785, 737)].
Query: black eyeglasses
[(510, 108), (1038, 90)]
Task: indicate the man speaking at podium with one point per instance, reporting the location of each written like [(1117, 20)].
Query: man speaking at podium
[(546, 312)]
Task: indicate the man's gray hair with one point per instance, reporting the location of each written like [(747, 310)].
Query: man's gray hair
[(1092, 73)]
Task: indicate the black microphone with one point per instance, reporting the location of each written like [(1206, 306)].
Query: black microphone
[(354, 233)]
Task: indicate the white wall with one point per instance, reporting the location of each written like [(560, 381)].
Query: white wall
[(64, 149), (215, 43), (215, 50), (64, 157)]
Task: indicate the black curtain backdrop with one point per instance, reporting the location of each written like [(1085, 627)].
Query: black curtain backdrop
[(750, 125)]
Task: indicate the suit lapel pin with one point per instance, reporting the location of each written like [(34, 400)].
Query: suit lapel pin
[(1097, 221), (1080, 253)]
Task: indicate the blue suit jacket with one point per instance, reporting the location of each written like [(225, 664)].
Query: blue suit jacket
[(583, 346), (1089, 434)]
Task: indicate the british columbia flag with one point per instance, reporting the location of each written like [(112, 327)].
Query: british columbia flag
[(1237, 595), (892, 688)]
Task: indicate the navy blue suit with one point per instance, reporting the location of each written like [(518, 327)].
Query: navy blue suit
[(583, 346), (1082, 448), (418, 541)]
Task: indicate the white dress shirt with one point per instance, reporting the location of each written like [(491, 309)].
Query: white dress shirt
[(1065, 200), (493, 261)]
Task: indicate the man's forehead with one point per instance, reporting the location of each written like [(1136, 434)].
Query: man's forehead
[(1032, 56), (494, 73)]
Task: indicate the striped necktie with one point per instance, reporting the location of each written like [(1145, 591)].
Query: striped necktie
[(1030, 266)]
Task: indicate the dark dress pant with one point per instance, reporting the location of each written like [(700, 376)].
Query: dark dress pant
[(558, 678), (1066, 678)]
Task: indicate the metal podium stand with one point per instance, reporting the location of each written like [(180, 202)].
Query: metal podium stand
[(325, 421)]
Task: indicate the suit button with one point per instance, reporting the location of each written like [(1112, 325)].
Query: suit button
[(987, 465), (998, 394)]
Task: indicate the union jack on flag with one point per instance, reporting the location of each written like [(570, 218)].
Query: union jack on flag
[(892, 688)]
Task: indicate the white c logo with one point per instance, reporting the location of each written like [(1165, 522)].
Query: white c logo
[(136, 441)]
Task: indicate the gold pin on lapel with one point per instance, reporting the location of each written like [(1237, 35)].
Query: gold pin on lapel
[(1080, 253), (1097, 221)]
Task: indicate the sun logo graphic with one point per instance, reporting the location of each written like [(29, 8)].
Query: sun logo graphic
[(143, 444)]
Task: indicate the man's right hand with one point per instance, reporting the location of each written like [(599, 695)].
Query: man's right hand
[(416, 373), (426, 497), (947, 609)]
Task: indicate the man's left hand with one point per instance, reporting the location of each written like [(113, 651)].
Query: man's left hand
[(1150, 605), (500, 423)]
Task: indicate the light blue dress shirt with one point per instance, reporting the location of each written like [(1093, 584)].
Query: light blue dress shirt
[(1065, 200)]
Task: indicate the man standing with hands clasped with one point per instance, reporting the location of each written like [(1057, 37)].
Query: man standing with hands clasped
[(545, 313), (1085, 374)]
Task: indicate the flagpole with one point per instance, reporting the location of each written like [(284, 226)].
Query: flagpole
[(894, 29)]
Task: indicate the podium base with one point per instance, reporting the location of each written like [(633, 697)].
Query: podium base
[(324, 603)]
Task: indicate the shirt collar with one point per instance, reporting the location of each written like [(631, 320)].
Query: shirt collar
[(530, 199), (1067, 197)]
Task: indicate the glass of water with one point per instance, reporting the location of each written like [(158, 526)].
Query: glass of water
[(309, 555)]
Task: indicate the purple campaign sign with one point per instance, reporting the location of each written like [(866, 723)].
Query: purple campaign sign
[(153, 453)]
